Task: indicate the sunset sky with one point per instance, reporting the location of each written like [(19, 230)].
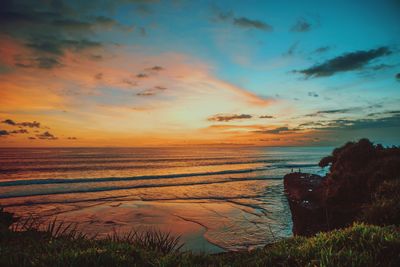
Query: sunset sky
[(138, 73)]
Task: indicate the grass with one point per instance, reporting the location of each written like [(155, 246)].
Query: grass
[(385, 207), (59, 244)]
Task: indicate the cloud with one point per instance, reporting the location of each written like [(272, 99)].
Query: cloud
[(46, 136), (58, 46), (266, 117), (332, 111), (142, 75), (301, 26), (47, 62), (129, 82), (277, 130), (156, 68), (50, 28), (4, 133), (313, 94), (322, 49), (9, 122), (38, 62), (242, 22), (72, 138), (388, 119), (20, 131), (346, 62), (152, 91), (252, 23), (146, 93), (219, 117), (33, 124)]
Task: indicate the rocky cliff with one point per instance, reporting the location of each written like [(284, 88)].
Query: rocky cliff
[(357, 172)]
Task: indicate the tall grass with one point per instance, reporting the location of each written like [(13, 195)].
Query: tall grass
[(152, 239)]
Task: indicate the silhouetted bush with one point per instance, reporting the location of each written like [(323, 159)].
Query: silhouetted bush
[(357, 170)]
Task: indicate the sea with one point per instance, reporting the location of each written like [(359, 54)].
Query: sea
[(216, 198)]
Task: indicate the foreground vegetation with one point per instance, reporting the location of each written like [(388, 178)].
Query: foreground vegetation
[(21, 244)]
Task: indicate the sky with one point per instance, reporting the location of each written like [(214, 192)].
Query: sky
[(155, 73)]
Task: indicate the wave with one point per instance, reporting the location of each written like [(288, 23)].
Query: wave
[(114, 188), (145, 177), (118, 179), (110, 165)]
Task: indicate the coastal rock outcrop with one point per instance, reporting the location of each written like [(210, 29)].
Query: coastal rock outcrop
[(358, 171)]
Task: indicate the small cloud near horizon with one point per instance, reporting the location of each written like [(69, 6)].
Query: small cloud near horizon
[(224, 118)]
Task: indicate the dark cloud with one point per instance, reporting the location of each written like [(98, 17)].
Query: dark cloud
[(347, 62), (57, 46), (31, 138), (72, 138), (142, 75), (266, 117), (219, 117), (129, 82), (146, 93), (331, 111), (157, 68), (277, 130), (252, 23), (151, 91), (398, 76), (322, 49), (9, 122), (242, 22), (46, 136), (4, 133), (49, 28), (313, 94), (33, 124), (20, 131), (47, 62), (390, 119), (43, 62), (301, 26)]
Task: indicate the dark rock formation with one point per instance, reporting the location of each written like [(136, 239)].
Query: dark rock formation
[(357, 170), (308, 214)]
